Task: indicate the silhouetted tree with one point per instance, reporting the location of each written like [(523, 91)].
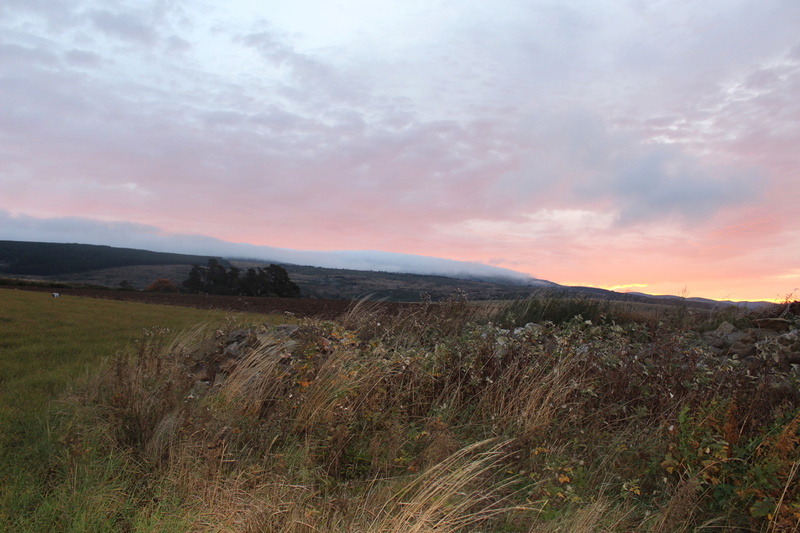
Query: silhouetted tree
[(215, 279), (196, 282), (234, 283), (249, 283), (218, 281), (280, 284)]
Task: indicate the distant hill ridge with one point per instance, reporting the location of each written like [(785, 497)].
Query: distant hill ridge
[(52, 259), (113, 267)]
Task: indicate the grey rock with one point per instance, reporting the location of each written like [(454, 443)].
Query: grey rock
[(726, 328), (737, 336), (774, 324), (204, 372), (790, 339), (714, 340), (743, 350), (285, 330), (237, 336), (232, 350), (716, 351), (206, 350)]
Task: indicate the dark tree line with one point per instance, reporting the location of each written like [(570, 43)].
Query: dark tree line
[(47, 259), (216, 279)]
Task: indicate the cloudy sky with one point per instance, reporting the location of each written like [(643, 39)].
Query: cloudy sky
[(634, 144)]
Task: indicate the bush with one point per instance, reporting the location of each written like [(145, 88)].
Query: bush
[(161, 285), (434, 418), (554, 307)]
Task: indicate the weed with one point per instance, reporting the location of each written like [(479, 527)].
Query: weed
[(547, 415)]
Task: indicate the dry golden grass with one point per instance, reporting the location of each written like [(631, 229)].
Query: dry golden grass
[(435, 420)]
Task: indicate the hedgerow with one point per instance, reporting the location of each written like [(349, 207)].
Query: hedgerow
[(447, 417)]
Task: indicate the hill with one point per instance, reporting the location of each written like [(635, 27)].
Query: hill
[(335, 283), (51, 259), (112, 267)]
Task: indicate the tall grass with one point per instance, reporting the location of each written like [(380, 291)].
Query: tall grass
[(552, 306), (431, 419), (47, 348)]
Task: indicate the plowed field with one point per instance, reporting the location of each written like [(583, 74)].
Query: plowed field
[(301, 307)]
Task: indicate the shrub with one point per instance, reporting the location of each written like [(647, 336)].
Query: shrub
[(555, 307), (434, 418), (161, 285)]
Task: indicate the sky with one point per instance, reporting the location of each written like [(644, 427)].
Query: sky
[(648, 146)]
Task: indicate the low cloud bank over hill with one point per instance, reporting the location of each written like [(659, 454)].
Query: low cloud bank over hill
[(141, 236)]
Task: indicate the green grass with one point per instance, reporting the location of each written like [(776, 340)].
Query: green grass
[(47, 343), (47, 348)]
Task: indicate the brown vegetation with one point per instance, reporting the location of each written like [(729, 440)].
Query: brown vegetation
[(435, 419), (301, 307)]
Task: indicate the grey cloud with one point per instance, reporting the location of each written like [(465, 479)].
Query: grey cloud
[(279, 120), (91, 123), (130, 235), (316, 84), (306, 69), (576, 160), (661, 182), (764, 78), (227, 118), (350, 152), (688, 53), (126, 26), (73, 229), (83, 58), (269, 46), (14, 56), (58, 14), (38, 105), (411, 264), (178, 45), (342, 162)]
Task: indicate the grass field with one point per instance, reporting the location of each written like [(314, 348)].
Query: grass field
[(436, 419), (48, 346)]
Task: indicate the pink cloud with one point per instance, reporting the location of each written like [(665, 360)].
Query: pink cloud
[(675, 163)]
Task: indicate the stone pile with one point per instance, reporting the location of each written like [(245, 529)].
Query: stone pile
[(769, 343), (216, 358), (772, 342)]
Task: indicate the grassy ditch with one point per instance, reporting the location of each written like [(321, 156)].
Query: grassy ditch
[(434, 419)]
